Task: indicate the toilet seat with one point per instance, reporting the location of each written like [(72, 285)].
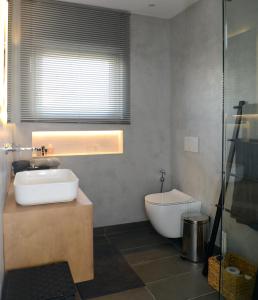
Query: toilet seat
[(165, 211), (173, 197)]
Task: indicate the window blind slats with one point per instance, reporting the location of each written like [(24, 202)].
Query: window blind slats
[(74, 63)]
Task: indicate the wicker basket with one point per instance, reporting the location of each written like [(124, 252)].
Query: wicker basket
[(233, 287)]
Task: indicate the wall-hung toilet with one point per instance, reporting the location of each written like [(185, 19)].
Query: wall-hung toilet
[(165, 210)]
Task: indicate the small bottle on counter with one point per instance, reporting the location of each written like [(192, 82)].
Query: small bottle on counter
[(42, 150)]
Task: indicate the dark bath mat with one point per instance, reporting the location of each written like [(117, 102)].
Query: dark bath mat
[(112, 273), (50, 282)]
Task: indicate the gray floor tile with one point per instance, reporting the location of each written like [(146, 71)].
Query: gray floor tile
[(177, 243), (183, 287), (149, 253), (99, 231), (137, 239), (212, 296), (77, 296), (135, 294), (163, 268), (128, 227), (100, 241)]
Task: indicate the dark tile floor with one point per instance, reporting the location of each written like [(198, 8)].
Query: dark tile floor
[(112, 273), (157, 262)]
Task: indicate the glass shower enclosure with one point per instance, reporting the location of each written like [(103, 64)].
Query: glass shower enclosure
[(240, 212)]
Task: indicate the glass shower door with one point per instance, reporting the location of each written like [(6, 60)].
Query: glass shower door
[(240, 215)]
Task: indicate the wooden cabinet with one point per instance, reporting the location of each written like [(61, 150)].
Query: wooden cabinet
[(42, 234)]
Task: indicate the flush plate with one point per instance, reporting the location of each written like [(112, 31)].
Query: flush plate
[(191, 144)]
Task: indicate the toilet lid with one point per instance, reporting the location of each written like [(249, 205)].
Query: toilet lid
[(169, 198)]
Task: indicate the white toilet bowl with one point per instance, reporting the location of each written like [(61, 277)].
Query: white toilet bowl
[(165, 210)]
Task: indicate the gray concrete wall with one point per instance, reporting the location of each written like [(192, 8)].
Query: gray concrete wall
[(196, 87), (176, 91), (5, 163), (116, 184)]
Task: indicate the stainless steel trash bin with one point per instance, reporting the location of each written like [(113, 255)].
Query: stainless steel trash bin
[(195, 236)]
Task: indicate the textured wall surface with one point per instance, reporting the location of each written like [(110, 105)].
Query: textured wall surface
[(117, 183), (5, 162), (196, 83), (176, 91)]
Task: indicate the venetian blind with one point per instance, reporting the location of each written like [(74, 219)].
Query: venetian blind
[(74, 63)]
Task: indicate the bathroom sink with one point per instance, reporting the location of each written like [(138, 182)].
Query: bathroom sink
[(45, 186)]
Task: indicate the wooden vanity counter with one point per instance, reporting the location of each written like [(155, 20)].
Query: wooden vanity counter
[(42, 234)]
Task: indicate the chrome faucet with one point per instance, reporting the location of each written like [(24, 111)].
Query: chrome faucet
[(162, 179), (15, 148)]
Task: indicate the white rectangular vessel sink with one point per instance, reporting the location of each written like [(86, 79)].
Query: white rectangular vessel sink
[(45, 186)]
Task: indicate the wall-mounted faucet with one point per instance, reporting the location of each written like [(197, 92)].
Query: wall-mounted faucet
[(162, 179), (15, 148)]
